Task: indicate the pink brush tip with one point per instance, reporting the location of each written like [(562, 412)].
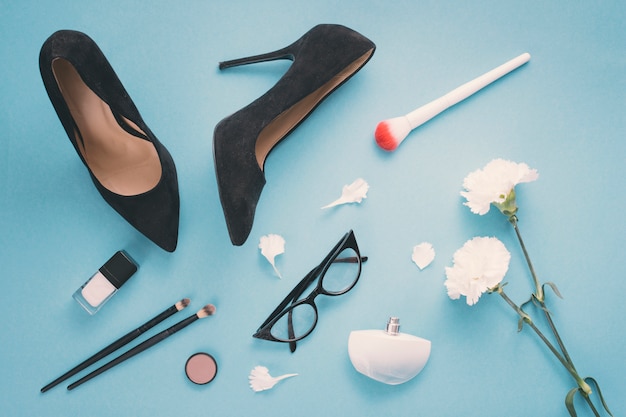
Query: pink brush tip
[(384, 137)]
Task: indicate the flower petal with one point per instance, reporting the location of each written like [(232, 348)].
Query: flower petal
[(271, 246), (423, 255), (261, 380), (352, 193)]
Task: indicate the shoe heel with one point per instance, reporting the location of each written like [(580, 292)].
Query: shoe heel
[(284, 53)]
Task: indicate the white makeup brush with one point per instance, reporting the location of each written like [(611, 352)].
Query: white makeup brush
[(390, 133)]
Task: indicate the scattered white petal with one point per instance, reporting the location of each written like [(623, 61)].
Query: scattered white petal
[(271, 246), (261, 380), (353, 193), (479, 265), (494, 183), (423, 255)]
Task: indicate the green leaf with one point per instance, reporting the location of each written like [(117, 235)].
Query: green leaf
[(554, 288), (569, 401), (595, 383), (531, 299), (536, 303), (540, 305)]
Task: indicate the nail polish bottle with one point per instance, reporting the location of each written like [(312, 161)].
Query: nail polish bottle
[(388, 356), (98, 289)]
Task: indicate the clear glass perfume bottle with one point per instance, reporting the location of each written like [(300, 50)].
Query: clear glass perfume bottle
[(387, 355)]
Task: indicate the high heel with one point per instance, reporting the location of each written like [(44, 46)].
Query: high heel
[(323, 59), (130, 168)]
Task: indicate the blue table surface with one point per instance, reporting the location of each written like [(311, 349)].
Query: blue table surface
[(562, 114)]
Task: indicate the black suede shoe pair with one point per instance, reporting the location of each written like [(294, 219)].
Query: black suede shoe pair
[(135, 173)]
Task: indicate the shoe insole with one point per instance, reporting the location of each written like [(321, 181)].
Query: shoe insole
[(290, 118), (123, 163)]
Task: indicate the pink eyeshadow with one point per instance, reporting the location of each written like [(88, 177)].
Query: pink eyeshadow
[(201, 368)]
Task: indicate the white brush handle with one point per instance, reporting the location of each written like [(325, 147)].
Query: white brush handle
[(430, 110)]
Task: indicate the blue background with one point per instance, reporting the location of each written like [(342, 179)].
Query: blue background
[(562, 113)]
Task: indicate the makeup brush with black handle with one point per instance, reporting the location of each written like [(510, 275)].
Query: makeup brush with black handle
[(207, 310), (127, 338)]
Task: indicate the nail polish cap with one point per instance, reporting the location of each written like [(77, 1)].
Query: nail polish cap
[(119, 268)]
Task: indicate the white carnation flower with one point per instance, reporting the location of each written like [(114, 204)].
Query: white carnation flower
[(495, 184), (480, 265)]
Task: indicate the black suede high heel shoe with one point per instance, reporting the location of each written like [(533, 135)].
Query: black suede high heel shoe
[(131, 169), (323, 59)]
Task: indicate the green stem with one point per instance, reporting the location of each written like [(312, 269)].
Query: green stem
[(581, 383), (556, 334), (593, 407), (538, 288), (539, 294)]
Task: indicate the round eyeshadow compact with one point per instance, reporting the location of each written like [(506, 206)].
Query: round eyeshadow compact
[(201, 368)]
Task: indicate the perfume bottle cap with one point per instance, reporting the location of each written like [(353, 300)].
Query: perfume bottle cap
[(118, 269), (393, 326)]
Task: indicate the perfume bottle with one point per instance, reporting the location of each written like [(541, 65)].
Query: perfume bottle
[(104, 284), (388, 356)]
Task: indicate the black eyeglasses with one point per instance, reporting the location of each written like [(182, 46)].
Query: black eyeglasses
[(337, 274)]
